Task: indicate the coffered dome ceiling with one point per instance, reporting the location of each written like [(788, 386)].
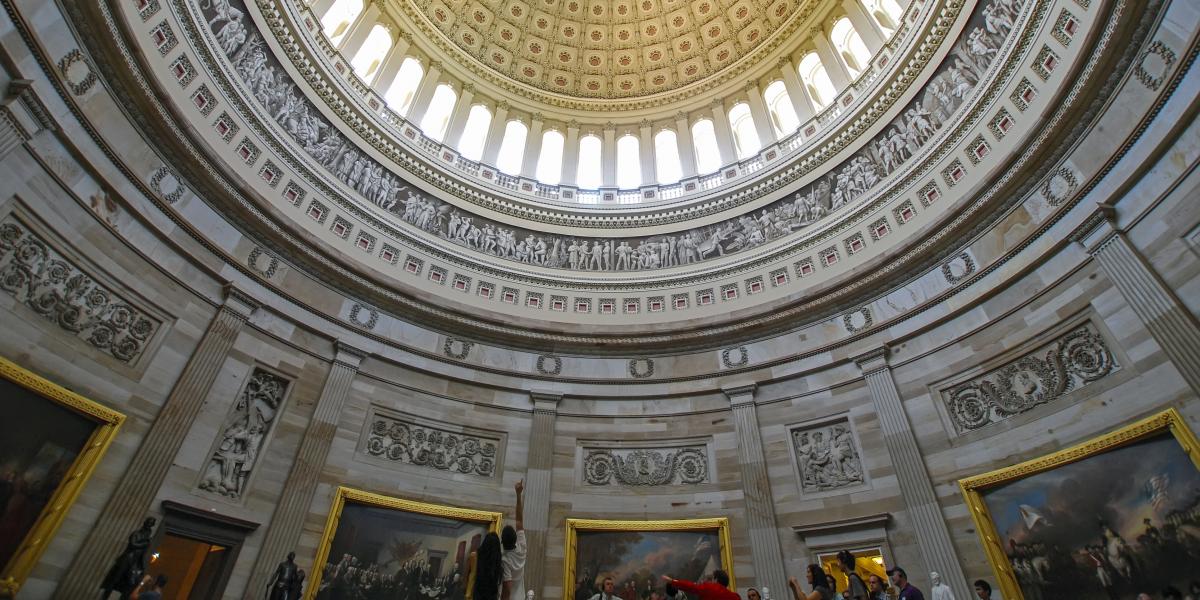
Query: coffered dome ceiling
[(608, 48)]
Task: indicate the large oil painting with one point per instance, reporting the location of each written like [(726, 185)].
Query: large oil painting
[(48, 433), (632, 556), (1108, 519), (382, 547)]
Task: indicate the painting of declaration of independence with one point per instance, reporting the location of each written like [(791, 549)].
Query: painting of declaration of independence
[(36, 452), (390, 548), (635, 555), (1110, 525)]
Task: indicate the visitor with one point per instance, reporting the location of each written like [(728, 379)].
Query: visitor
[(904, 590), (878, 589), (983, 590), (513, 541), (607, 590), (1193, 591), (752, 594), (715, 589), (1144, 596), (156, 591), (819, 582), (857, 588), (1172, 593), (489, 568)]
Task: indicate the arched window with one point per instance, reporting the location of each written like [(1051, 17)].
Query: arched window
[(588, 174), (850, 46), (336, 21), (813, 74), (399, 95), (704, 139), (779, 104), (549, 164), (512, 148), (745, 137), (666, 157), (370, 56), (885, 12), (629, 163), (434, 123), (475, 132)]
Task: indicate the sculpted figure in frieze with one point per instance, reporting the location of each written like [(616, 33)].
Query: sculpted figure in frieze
[(229, 467), (950, 86), (827, 457)]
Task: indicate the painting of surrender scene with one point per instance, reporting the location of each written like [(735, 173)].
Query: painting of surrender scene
[(632, 557), (1117, 522)]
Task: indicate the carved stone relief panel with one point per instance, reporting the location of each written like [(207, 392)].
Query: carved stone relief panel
[(398, 438), (40, 277), (827, 455), (1069, 362), (243, 435), (673, 465)]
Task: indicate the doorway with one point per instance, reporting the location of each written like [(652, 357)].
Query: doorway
[(192, 567)]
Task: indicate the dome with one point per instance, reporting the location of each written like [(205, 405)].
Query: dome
[(343, 286)]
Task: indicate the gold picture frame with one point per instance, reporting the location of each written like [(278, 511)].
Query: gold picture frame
[(345, 495), (47, 522), (575, 526), (974, 488)]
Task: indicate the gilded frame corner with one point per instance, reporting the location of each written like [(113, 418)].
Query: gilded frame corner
[(107, 421), (1169, 420), (345, 494), (574, 526)]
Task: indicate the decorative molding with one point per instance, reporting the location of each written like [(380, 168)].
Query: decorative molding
[(443, 447), (958, 268), (43, 279), (641, 368), (244, 435), (80, 84), (1153, 76), (548, 364), (645, 467), (1042, 376), (827, 456), (858, 320), (457, 348), (356, 313), (728, 360), (167, 184)]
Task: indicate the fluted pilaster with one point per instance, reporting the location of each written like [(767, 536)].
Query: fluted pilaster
[(537, 487), (292, 506), (1165, 317), (134, 494), (915, 486), (765, 549)]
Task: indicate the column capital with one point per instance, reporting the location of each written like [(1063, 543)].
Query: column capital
[(238, 301), (502, 105), (1098, 228), (435, 65), (468, 88), (785, 62), (681, 116), (740, 393), (537, 118), (872, 361), (545, 401), (645, 124), (717, 103), (610, 126), (348, 356), (751, 86), (573, 124)]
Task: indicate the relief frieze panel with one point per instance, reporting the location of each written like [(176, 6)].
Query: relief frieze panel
[(930, 112), (828, 456), (37, 275), (1042, 376), (243, 435), (401, 439), (644, 467)]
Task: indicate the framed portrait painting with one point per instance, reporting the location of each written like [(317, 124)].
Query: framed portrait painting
[(395, 548), (632, 556), (52, 440), (1109, 518)]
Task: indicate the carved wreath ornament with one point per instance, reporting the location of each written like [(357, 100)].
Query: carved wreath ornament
[(1074, 360), (427, 447), (644, 467)]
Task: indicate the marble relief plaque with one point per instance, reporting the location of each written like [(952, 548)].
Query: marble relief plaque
[(397, 438), (681, 465), (828, 457)]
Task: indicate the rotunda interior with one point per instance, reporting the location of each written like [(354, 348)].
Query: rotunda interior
[(583, 299)]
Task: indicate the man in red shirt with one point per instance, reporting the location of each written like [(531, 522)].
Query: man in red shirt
[(717, 589)]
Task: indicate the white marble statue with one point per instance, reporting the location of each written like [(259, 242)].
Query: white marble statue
[(940, 591)]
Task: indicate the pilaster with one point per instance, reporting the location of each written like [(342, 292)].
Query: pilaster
[(283, 532), (915, 485), (765, 548), (1165, 317), (134, 494), (537, 486)]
